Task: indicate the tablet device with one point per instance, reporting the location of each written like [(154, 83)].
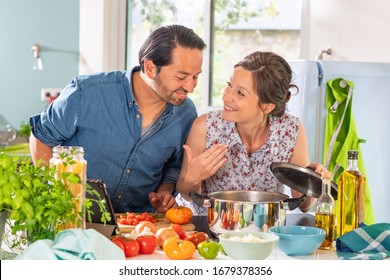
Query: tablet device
[(109, 228)]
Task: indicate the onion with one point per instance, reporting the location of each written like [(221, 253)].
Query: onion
[(141, 226), (164, 233)]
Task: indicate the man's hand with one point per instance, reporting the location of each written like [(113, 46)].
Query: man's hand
[(162, 201)]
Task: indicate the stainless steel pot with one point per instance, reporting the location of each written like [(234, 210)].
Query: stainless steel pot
[(245, 210)]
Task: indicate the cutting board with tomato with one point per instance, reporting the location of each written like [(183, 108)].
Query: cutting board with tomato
[(159, 221)]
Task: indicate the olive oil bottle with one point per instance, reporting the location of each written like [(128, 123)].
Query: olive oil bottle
[(325, 212), (351, 196)]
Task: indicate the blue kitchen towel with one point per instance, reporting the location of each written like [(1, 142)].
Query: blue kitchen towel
[(365, 243), (73, 244)]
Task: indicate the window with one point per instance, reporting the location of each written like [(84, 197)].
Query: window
[(231, 29)]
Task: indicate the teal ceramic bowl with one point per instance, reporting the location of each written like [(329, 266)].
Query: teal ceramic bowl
[(246, 246), (298, 240)]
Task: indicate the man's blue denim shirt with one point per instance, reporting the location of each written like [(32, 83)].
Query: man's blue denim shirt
[(99, 113)]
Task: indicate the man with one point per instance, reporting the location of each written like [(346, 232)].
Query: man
[(131, 124)]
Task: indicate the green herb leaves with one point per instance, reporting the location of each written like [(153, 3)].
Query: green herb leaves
[(38, 203)]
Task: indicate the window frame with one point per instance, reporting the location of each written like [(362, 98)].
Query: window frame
[(103, 25)]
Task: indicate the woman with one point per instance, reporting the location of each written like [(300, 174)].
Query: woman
[(233, 148)]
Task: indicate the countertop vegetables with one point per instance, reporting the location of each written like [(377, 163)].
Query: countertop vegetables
[(143, 244), (163, 234), (177, 249), (179, 230), (208, 249), (179, 215), (133, 219), (147, 244), (196, 237), (129, 246)]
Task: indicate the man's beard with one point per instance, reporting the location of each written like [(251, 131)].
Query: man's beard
[(165, 94)]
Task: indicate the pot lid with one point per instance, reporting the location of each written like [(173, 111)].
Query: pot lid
[(302, 179)]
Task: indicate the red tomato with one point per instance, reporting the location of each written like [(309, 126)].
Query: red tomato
[(197, 237), (120, 245), (179, 230), (147, 244), (132, 247)]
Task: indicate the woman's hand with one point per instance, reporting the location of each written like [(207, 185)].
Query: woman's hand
[(310, 201), (317, 167), (204, 165)]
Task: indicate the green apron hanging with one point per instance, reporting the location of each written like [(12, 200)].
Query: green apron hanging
[(341, 135)]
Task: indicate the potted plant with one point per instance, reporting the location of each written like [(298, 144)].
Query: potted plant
[(38, 202)]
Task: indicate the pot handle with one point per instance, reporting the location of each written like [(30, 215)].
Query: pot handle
[(200, 200), (293, 203)]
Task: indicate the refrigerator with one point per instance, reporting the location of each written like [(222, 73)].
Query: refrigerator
[(371, 111)]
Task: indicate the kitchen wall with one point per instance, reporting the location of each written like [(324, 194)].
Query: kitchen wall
[(54, 24), (355, 29)]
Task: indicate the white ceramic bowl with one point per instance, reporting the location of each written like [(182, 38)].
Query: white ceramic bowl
[(247, 246)]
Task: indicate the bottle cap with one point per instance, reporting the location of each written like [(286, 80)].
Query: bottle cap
[(353, 154)]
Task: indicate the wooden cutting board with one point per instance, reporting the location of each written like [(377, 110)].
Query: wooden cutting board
[(163, 222)]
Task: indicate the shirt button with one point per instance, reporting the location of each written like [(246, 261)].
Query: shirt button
[(128, 170), (138, 116), (119, 196)]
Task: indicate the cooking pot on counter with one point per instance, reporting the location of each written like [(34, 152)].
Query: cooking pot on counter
[(245, 210), (249, 211)]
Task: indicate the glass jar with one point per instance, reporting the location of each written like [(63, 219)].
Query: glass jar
[(70, 159)]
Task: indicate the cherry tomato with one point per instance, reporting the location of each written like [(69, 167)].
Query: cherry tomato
[(179, 215), (133, 219), (196, 237), (147, 244), (132, 247), (177, 249), (208, 249)]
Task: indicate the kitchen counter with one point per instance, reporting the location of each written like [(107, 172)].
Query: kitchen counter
[(305, 219)]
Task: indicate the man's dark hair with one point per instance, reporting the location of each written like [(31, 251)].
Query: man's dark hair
[(160, 43)]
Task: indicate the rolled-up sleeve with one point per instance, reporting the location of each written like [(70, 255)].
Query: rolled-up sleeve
[(58, 122)]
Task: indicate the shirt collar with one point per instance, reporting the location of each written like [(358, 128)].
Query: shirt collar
[(168, 110), (230, 134)]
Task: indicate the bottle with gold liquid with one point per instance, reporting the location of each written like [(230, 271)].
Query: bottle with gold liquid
[(325, 212), (351, 196), (71, 160)]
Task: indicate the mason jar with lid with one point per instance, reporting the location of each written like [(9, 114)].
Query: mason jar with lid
[(70, 159)]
